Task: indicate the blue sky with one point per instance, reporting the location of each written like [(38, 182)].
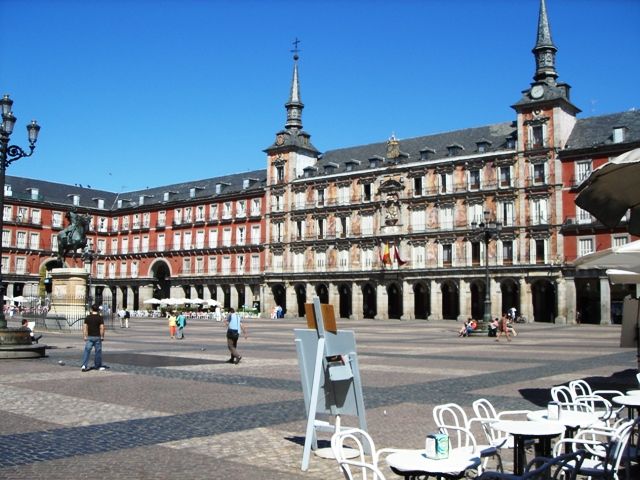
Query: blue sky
[(143, 93)]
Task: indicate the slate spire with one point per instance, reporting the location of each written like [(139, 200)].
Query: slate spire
[(294, 106), (545, 50)]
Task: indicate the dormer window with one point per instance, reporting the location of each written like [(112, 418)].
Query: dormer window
[(245, 183), (375, 162), (218, 188), (619, 134), (101, 203), (454, 149), (35, 193), (329, 168), (141, 200), (511, 142), (119, 203), (350, 165), (75, 199), (309, 171), (426, 153), (483, 145), (7, 190), (192, 192), (165, 196)]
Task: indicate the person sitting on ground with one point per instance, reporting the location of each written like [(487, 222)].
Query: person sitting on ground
[(465, 329), (25, 325), (493, 328)]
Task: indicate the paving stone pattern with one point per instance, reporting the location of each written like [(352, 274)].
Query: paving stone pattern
[(175, 409)]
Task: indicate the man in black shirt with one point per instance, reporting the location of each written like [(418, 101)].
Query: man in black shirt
[(93, 333)]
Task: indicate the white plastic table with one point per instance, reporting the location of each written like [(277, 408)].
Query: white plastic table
[(572, 420), (412, 463), (632, 402), (523, 430)]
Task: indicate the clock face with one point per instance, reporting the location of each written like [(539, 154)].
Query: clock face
[(537, 91)]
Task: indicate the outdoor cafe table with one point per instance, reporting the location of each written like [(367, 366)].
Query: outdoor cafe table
[(572, 420), (523, 430), (632, 402), (414, 463)]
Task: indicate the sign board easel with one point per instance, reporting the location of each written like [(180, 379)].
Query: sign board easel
[(329, 373)]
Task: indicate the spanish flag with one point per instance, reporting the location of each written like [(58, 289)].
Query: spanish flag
[(386, 255)]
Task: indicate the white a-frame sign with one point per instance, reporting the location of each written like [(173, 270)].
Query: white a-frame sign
[(329, 373)]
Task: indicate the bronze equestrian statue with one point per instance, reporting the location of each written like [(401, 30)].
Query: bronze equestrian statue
[(74, 236)]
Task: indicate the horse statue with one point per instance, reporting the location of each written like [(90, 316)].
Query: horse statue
[(74, 236)]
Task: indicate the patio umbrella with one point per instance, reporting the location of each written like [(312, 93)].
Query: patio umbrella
[(622, 276), (213, 303), (193, 301), (625, 257), (153, 301), (612, 189), (6, 298), (19, 299)]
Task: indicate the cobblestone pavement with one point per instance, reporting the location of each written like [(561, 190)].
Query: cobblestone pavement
[(174, 409)]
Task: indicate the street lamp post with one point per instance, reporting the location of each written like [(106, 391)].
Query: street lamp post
[(88, 256), (8, 155), (487, 230)]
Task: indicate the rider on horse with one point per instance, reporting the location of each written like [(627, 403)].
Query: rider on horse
[(74, 235)]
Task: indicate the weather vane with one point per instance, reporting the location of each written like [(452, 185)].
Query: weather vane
[(295, 50)]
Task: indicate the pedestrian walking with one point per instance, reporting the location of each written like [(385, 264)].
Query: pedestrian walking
[(93, 333), (181, 322), (127, 316), (121, 314), (234, 327), (503, 328), (172, 324)]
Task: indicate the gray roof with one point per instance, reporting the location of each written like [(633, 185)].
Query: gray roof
[(58, 193), (468, 139), (598, 131)]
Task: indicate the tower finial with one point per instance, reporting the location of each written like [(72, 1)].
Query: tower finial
[(545, 50), (294, 106)]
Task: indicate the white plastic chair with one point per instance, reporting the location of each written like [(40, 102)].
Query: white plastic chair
[(563, 467), (345, 441), (486, 412), (597, 399), (451, 420), (606, 449)]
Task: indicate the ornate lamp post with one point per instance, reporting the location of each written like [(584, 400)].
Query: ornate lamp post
[(8, 155), (88, 256), (487, 230)]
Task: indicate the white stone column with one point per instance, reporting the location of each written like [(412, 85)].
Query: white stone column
[(561, 293), (266, 300), (334, 298), (233, 292), (130, 298), (310, 292), (526, 305), (145, 293), (464, 293), (436, 301), (408, 302), (292, 301), (570, 299), (356, 302), (382, 303), (220, 295), (605, 301), (496, 299)]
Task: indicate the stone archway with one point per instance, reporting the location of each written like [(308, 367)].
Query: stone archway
[(344, 291), (161, 273), (510, 295), (478, 293), (543, 296), (588, 299), (394, 300), (280, 296), (369, 304), (322, 292), (450, 300), (301, 298), (421, 300)]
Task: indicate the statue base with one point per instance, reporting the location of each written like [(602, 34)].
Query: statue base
[(16, 343), (69, 296)]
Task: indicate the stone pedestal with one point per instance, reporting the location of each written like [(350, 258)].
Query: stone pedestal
[(16, 343), (69, 293)]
